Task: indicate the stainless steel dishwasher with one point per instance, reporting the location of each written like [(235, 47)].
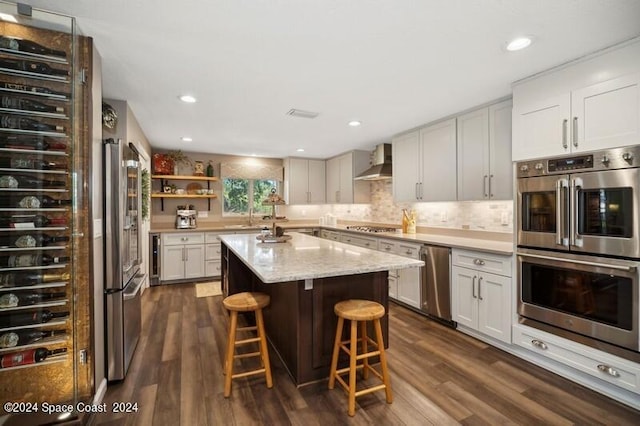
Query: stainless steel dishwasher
[(435, 292)]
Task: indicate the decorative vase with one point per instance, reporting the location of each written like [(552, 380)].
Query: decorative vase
[(210, 170), (162, 165)]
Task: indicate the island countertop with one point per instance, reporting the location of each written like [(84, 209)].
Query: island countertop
[(306, 257)]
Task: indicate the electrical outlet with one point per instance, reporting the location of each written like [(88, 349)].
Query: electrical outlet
[(443, 216), (203, 213)]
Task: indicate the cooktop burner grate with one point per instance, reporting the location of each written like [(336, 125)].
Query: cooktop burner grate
[(371, 228)]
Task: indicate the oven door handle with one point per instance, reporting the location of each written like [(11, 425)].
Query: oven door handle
[(561, 206), (582, 262), (575, 238)]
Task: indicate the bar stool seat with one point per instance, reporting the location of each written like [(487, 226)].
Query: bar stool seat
[(246, 302), (359, 311)]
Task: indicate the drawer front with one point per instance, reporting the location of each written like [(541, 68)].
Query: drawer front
[(212, 251), (480, 261), (611, 369), (183, 238), (387, 246), (212, 268), (408, 250), (355, 240), (330, 235)]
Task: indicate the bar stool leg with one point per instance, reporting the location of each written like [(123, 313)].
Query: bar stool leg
[(228, 361), (336, 353), (264, 350), (364, 344), (353, 353), (383, 362)]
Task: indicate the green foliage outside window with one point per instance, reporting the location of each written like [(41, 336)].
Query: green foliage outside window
[(242, 194)]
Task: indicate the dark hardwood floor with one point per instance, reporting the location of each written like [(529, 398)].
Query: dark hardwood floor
[(439, 376)]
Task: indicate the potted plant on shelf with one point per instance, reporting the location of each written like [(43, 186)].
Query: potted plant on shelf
[(178, 157)]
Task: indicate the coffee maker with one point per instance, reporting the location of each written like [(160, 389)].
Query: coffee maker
[(186, 217)]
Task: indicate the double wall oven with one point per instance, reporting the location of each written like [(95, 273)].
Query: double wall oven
[(579, 248)]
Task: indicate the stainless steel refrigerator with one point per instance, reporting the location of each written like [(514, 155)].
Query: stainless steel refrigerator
[(123, 277)]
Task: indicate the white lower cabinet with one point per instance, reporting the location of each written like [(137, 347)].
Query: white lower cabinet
[(404, 284), (481, 300), (182, 256), (607, 367), (212, 255)]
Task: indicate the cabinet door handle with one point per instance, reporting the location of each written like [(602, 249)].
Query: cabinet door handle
[(575, 132), (490, 186), (484, 186), (564, 133), (608, 370), (183, 254), (367, 244), (417, 196), (473, 287), (539, 344), (480, 288)]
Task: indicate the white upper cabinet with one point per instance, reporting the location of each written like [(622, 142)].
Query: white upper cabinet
[(304, 181), (484, 154), (341, 188), (438, 155), (607, 114), (424, 163), (406, 166), (588, 105)]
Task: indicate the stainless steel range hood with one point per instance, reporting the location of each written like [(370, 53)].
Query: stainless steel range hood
[(381, 168)]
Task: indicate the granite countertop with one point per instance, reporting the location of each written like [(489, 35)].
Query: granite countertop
[(452, 238), (306, 257)]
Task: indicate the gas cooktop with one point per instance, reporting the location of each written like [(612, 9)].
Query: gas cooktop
[(371, 228)]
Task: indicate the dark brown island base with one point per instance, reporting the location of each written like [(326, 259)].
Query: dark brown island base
[(305, 277)]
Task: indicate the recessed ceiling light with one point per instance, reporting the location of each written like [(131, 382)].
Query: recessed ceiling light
[(188, 99), (354, 123), (300, 150), (518, 43), (186, 139)]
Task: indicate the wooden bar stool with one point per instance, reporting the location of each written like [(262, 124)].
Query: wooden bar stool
[(246, 302), (361, 311)]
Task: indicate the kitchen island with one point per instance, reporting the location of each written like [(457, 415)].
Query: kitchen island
[(305, 277)]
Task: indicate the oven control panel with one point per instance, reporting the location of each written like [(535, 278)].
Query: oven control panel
[(610, 159), (572, 163)]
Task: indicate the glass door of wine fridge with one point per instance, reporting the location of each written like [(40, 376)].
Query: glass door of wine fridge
[(44, 290)]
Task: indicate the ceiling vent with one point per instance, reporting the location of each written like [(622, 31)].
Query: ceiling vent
[(302, 114)]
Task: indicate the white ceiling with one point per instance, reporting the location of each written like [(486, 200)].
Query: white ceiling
[(393, 64)]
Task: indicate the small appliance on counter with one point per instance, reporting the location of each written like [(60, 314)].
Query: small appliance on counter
[(186, 217)]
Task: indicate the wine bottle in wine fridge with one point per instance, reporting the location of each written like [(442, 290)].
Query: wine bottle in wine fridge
[(23, 123), (11, 339), (11, 300), (13, 102), (20, 181), (28, 260), (28, 221), (32, 89), (31, 201), (28, 356), (31, 66), (31, 142), (31, 240), (29, 278), (32, 164), (17, 319), (23, 45)]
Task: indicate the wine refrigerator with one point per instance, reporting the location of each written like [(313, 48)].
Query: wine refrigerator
[(45, 250)]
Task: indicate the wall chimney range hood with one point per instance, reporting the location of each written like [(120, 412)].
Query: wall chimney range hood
[(381, 164)]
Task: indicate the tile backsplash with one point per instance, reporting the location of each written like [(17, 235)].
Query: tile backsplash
[(495, 216)]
